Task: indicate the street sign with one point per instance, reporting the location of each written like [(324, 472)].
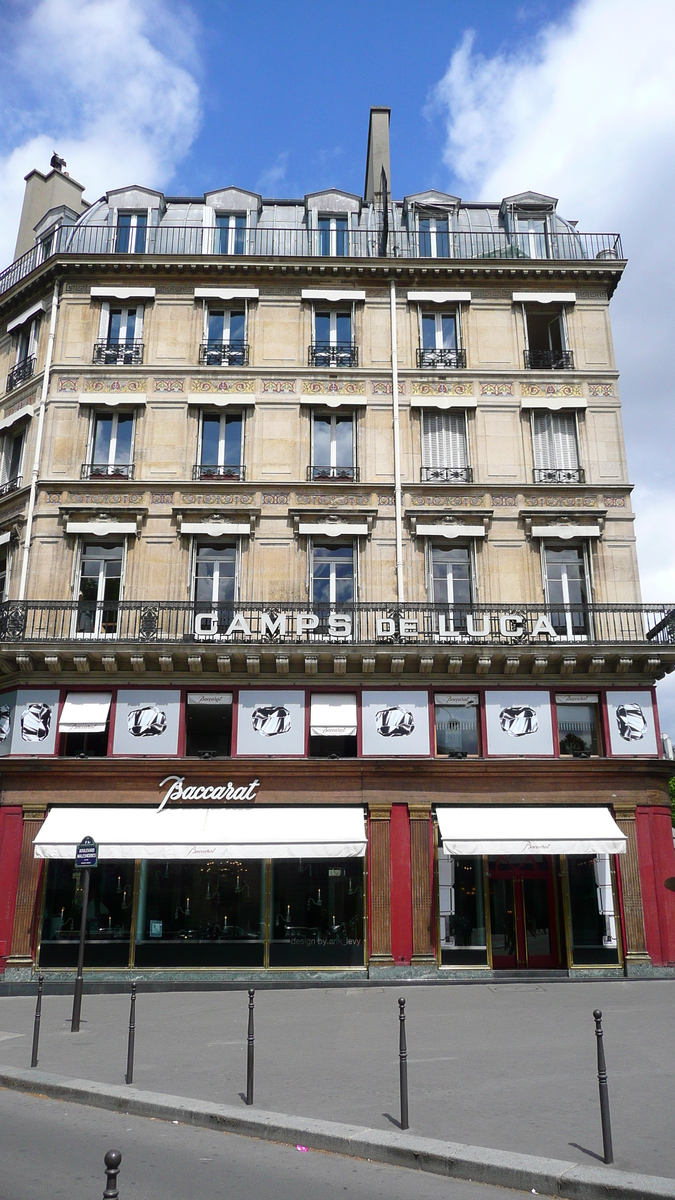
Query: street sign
[(86, 854)]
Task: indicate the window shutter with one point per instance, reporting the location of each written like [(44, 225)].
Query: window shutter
[(565, 441), (443, 439), (542, 441)]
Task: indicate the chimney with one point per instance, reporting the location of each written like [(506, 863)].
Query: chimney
[(377, 156), (44, 192)]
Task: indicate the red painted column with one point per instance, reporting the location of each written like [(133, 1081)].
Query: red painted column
[(656, 856), (401, 886), (11, 822)]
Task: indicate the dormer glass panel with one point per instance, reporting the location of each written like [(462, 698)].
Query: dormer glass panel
[(131, 232), (230, 233)]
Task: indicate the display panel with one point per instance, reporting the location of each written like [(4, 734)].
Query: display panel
[(456, 724), (109, 909), (271, 721), (35, 717), (7, 710), (518, 723), (317, 913), (395, 723), (631, 723), (146, 722), (461, 907)]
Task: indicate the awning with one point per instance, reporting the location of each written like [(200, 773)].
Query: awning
[(443, 402), (431, 297), (529, 831), (565, 532), (18, 415), (328, 400), (233, 293), (554, 403), (450, 531), (123, 293), (333, 529), (332, 295), (545, 297), (40, 307), (205, 833), (114, 399), (85, 712), (333, 716), (216, 529)]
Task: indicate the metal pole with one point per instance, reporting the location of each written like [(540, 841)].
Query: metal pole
[(250, 1041), (36, 1026), (77, 998), (403, 1064), (112, 1162), (398, 499), (129, 1077), (604, 1094)]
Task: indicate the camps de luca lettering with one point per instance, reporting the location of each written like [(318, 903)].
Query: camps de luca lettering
[(451, 626), (226, 791)]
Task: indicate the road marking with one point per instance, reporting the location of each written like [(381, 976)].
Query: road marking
[(4, 1037)]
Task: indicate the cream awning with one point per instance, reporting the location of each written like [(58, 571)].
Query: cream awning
[(530, 831), (85, 712), (332, 716), (205, 833)]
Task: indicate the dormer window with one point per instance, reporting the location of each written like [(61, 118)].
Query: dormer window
[(434, 237), (230, 233), (333, 236), (132, 228)]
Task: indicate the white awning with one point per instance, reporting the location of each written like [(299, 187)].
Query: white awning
[(124, 293), (565, 532), (333, 528), (234, 293), (545, 297), (40, 307), (85, 712), (214, 400), (432, 297), (113, 399), (26, 411), (5, 537), (101, 528), (443, 402), (450, 531), (205, 833), (529, 831), (554, 403), (326, 400), (333, 716), (332, 295), (215, 529)]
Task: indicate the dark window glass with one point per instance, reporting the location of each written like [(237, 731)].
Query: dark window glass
[(208, 726), (578, 729), (111, 890), (317, 913), (84, 745), (462, 911), (456, 729), (588, 924)]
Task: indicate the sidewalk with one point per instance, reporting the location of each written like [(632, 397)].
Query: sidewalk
[(511, 1067)]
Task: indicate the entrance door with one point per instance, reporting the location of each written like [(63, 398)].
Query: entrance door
[(522, 913)]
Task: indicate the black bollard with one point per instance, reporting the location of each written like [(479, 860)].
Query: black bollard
[(112, 1162), (36, 1026), (250, 1043), (79, 982), (403, 1064), (129, 1077), (604, 1094)]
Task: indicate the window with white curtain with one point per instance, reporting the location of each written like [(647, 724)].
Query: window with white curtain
[(111, 446), (120, 336), (12, 460), (225, 338), (221, 443), (132, 228), (333, 446), (333, 236), (100, 590), (444, 447), (555, 448), (439, 337), (333, 574), (230, 233)]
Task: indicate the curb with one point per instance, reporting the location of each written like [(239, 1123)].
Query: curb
[(454, 1160)]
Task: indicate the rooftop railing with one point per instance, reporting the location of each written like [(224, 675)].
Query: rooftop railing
[(179, 241)]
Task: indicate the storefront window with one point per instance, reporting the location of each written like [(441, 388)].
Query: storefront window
[(208, 724), (577, 728), (594, 938), (317, 913), (111, 890), (456, 725), (200, 914), (462, 911)]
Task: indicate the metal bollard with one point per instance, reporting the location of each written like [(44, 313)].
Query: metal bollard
[(112, 1162), (129, 1077), (250, 1043), (36, 1026), (79, 981), (604, 1094), (403, 1064)]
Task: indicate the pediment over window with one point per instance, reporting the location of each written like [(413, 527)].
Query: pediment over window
[(60, 215), (529, 202), (233, 199), (431, 199), (333, 201), (135, 197)]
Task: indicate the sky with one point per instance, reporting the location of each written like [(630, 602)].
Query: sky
[(573, 98)]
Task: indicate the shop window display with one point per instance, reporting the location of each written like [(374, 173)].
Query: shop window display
[(462, 912), (317, 913), (594, 934), (111, 891), (456, 725), (208, 724)]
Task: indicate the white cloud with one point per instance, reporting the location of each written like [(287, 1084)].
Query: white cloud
[(586, 112), (110, 84), (268, 181)]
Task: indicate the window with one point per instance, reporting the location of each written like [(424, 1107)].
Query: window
[(221, 445), (456, 725), (451, 584), (592, 910), (578, 733), (333, 574), (225, 338), (230, 233), (84, 725), (444, 447), (332, 726), (462, 911), (26, 353), (434, 237), (532, 237), (99, 590), (439, 338), (333, 447), (555, 448), (317, 913), (132, 230), (215, 575), (112, 439), (12, 461), (566, 584), (111, 893), (545, 340), (333, 236), (120, 342), (208, 724), (333, 345), (4, 573)]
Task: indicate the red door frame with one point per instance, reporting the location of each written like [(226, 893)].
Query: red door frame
[(517, 874)]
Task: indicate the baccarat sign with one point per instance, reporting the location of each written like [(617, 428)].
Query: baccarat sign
[(178, 790)]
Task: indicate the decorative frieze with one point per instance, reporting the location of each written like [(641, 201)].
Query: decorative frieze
[(442, 389), (20, 402), (78, 288), (504, 501), (380, 387), (600, 389), (496, 389), (169, 385), (561, 500), (223, 385), (550, 389), (217, 499), (443, 500), (278, 386), (332, 387), (615, 501), (350, 499), (114, 385), (68, 384)]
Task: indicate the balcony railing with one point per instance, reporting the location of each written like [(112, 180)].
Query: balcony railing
[(207, 471), (549, 360), (447, 474), (558, 475), (441, 358), (118, 354), (107, 471), (11, 485), (20, 373), (349, 474), (224, 354), (342, 354), (289, 623)]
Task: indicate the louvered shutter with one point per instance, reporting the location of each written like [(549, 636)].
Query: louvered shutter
[(565, 441), (542, 442), (443, 439)]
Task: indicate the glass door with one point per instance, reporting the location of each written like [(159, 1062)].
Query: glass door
[(522, 914)]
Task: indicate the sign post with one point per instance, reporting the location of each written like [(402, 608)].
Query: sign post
[(86, 856)]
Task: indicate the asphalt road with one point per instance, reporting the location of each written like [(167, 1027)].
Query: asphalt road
[(50, 1150)]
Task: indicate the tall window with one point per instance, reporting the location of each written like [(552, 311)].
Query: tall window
[(220, 455), (26, 352), (555, 449), (546, 347), (333, 340), (444, 447), (451, 575), (120, 342), (132, 228), (4, 572), (12, 460), (112, 438), (439, 341), (567, 590), (532, 238), (333, 574), (99, 590), (578, 733), (225, 342), (230, 233), (333, 236), (215, 575), (333, 447), (434, 237)]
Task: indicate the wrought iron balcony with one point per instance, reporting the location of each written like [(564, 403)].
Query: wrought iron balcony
[(25, 369), (549, 360), (342, 354), (558, 475), (453, 359), (349, 474), (107, 471), (118, 354), (11, 485), (447, 475), (224, 354), (207, 471)]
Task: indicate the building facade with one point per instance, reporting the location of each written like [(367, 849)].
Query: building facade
[(320, 604)]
